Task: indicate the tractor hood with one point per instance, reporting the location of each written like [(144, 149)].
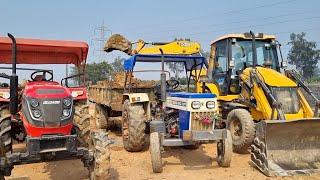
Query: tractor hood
[(270, 77), (47, 104)]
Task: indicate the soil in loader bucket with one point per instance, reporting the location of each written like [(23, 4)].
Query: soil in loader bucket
[(118, 42), (285, 148)]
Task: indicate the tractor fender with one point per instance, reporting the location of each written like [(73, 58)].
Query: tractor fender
[(142, 98)]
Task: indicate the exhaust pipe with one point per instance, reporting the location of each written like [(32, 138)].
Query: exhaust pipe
[(254, 50), (14, 99)]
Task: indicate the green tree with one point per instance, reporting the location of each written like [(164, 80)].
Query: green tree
[(117, 64), (303, 54)]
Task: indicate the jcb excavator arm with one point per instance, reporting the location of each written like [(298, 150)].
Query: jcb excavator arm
[(118, 42)]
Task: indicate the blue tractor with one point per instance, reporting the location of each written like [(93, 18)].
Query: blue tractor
[(172, 117)]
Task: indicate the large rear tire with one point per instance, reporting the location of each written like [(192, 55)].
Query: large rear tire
[(82, 122), (133, 126), (242, 129), (100, 167), (101, 117), (224, 151), (155, 151), (5, 128)]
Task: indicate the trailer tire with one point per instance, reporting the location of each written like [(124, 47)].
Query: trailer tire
[(100, 167), (155, 151), (82, 122), (5, 128), (101, 117), (224, 149), (133, 126), (242, 129)]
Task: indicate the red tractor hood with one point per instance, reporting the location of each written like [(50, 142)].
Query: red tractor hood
[(45, 89)]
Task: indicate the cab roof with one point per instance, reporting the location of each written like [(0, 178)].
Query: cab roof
[(189, 61), (259, 36), (38, 51)]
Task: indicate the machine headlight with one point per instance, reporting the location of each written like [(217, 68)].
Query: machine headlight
[(211, 104), (196, 104), (5, 95), (67, 102), (34, 103), (36, 113), (66, 112)]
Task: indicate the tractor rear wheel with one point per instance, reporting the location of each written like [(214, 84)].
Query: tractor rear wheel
[(101, 117), (133, 126), (155, 151), (99, 168), (5, 128), (242, 128), (224, 149), (82, 122)]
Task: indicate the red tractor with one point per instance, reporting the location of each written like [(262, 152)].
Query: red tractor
[(52, 118)]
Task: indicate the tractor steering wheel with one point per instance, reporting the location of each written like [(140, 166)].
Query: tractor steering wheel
[(44, 72), (173, 83)]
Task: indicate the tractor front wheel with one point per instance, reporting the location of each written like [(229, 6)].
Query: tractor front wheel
[(101, 117), (155, 151), (99, 168), (5, 128), (224, 149), (242, 129), (133, 126), (82, 122)]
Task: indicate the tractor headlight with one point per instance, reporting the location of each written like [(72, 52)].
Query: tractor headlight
[(67, 102), (66, 112), (196, 104), (5, 95), (36, 113), (34, 103), (211, 104)]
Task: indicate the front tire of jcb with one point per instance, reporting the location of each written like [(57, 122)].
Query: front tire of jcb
[(155, 152), (224, 151), (5, 128), (133, 126), (100, 167), (242, 129), (82, 122)]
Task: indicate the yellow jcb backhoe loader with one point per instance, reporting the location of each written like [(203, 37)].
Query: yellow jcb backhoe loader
[(264, 109)]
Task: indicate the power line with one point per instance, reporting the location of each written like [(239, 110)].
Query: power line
[(221, 13), (238, 22)]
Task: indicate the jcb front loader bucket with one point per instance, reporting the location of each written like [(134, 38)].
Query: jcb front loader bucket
[(118, 42), (285, 148)]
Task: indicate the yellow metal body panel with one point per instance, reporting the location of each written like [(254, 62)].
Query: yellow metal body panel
[(175, 48), (242, 36)]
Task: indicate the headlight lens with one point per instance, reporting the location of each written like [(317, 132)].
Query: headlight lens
[(5, 95), (67, 102), (36, 113), (66, 112), (34, 103), (210, 104), (196, 104)]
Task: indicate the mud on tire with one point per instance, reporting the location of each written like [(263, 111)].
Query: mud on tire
[(133, 126), (5, 128), (101, 117), (155, 151), (99, 168), (82, 122), (242, 129), (224, 149)]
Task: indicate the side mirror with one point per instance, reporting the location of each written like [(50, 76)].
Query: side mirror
[(284, 64)]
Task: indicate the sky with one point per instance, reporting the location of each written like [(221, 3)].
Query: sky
[(152, 21)]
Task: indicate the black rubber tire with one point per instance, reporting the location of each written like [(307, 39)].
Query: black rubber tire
[(100, 167), (155, 151), (5, 128), (224, 151), (133, 126), (242, 129), (101, 117), (82, 120)]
